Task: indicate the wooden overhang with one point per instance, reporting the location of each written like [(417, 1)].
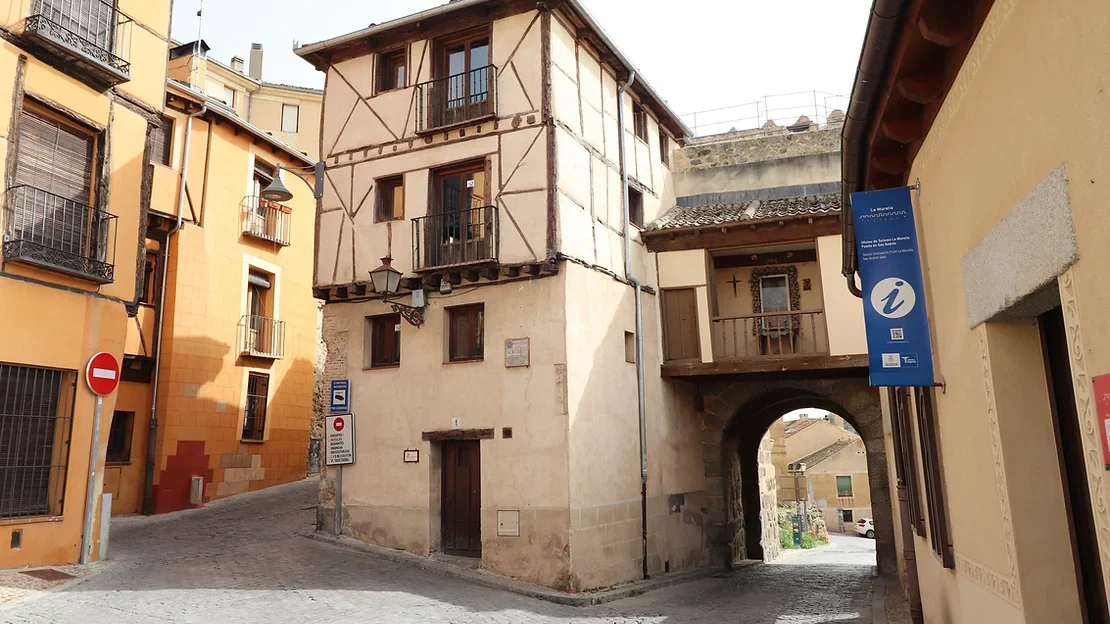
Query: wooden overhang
[(742, 233), (912, 53), (459, 15), (802, 365), (463, 276)]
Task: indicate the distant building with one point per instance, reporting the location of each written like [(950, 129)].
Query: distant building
[(291, 114)]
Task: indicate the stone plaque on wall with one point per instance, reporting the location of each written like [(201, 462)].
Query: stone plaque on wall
[(518, 353)]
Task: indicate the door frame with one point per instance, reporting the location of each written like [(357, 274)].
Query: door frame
[(475, 468)]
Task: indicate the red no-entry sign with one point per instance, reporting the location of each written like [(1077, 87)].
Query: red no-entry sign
[(102, 373), (339, 424)]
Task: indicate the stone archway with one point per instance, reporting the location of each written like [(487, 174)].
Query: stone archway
[(734, 417)]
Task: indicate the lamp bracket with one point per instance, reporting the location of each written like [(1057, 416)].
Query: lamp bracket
[(414, 316)]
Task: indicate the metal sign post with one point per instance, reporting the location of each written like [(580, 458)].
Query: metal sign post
[(339, 451), (102, 376)]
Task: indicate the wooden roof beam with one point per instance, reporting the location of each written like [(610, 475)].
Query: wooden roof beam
[(924, 85), (902, 130), (891, 160), (946, 25)]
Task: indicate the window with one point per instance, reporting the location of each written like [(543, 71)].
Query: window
[(664, 149), (36, 414), (262, 335), (119, 438), (229, 96), (290, 117), (934, 481), (51, 220), (846, 515), (263, 175), (844, 486), (905, 459), (640, 121), (161, 142), (150, 266), (391, 199), (391, 71), (774, 294), (254, 416), (464, 81), (636, 208), (466, 333), (383, 341)]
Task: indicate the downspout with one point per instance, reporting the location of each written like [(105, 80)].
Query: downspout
[(250, 102), (882, 32), (152, 432), (640, 392)]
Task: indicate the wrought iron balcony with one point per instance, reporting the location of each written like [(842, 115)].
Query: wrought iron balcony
[(57, 233), (262, 337), (456, 238), (456, 99), (91, 39), (266, 220)]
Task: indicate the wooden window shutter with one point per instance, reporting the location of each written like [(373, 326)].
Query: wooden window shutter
[(54, 157)]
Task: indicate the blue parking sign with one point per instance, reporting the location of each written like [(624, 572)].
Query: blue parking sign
[(340, 396), (898, 343)]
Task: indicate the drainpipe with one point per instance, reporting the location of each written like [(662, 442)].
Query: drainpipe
[(152, 433), (640, 392)]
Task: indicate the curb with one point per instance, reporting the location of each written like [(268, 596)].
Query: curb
[(493, 581), (878, 599)]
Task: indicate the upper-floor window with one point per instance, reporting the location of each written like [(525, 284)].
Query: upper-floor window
[(466, 333), (263, 176), (635, 207), (94, 29), (391, 199), (844, 486), (383, 341), (229, 96), (664, 149), (391, 71), (290, 118), (463, 83), (50, 219), (161, 142), (150, 267), (640, 121)]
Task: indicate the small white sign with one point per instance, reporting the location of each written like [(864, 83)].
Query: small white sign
[(456, 423), (339, 440), (518, 353), (892, 360)]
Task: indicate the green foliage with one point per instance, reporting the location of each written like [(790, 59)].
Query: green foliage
[(808, 541)]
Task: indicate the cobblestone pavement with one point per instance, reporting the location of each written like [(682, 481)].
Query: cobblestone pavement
[(243, 560)]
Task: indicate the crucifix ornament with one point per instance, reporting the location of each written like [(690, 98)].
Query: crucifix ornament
[(734, 282)]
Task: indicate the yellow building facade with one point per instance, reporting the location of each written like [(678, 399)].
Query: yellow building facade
[(238, 325), (1000, 114), (76, 136)]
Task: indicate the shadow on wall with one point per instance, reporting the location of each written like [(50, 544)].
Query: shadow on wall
[(204, 418)]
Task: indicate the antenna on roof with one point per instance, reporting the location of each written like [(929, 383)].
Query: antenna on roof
[(197, 48)]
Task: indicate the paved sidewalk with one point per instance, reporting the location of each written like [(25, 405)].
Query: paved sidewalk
[(30, 582), (244, 560)]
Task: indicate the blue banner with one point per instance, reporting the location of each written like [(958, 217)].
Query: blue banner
[(899, 350)]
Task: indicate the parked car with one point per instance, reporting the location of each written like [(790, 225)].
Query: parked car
[(866, 528)]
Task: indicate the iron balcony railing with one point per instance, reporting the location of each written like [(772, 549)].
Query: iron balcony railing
[(91, 37), (771, 334), (263, 337), (456, 238), (267, 220), (57, 233), (456, 99)]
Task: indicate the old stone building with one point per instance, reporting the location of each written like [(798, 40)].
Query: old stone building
[(545, 308)]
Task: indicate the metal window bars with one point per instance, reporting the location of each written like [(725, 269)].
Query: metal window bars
[(455, 238), (54, 232), (262, 337), (36, 416), (84, 30), (456, 99), (266, 220), (254, 414)]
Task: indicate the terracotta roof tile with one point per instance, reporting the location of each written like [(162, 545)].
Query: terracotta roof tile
[(821, 455), (681, 217)]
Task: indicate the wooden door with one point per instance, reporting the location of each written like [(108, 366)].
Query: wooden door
[(458, 233), (680, 315), (462, 498), (1069, 446)]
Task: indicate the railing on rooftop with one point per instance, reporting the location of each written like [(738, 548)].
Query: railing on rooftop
[(784, 111), (57, 233), (456, 99), (266, 220), (91, 38)]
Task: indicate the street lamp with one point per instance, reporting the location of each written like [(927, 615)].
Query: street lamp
[(387, 283), (276, 190)]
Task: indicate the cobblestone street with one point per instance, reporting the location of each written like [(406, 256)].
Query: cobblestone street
[(244, 560)]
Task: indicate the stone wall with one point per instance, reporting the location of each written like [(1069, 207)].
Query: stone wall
[(332, 364), (768, 499), (739, 148)]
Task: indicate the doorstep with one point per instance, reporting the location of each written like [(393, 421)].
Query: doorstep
[(467, 571), (25, 583)]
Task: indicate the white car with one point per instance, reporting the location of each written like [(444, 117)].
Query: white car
[(866, 528)]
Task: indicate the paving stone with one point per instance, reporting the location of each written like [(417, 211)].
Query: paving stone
[(244, 560)]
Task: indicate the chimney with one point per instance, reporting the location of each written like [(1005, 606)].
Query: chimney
[(237, 63), (256, 61)]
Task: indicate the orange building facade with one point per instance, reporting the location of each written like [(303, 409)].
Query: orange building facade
[(238, 330)]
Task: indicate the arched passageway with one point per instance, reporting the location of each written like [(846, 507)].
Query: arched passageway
[(736, 415)]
